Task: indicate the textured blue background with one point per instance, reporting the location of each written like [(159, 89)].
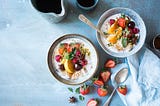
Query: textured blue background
[(25, 79)]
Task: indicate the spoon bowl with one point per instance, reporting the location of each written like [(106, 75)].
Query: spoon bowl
[(119, 78)]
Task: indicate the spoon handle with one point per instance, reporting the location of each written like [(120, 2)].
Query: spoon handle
[(109, 99), (88, 22)]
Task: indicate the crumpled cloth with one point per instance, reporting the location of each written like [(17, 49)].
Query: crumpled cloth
[(143, 80)]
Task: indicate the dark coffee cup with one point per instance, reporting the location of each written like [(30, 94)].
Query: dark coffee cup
[(87, 4), (156, 42)]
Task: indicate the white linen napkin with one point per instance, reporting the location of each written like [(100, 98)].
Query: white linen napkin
[(143, 81)]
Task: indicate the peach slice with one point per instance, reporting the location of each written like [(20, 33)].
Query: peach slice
[(112, 29), (112, 39), (119, 32), (69, 66)]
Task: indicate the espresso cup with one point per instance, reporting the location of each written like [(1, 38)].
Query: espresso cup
[(156, 42), (86, 4)]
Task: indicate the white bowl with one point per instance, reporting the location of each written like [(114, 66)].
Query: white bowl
[(93, 61), (139, 23)]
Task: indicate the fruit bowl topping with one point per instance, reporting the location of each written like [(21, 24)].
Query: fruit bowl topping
[(72, 57), (122, 33)]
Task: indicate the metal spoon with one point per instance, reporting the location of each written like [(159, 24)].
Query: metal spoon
[(120, 77), (88, 22)]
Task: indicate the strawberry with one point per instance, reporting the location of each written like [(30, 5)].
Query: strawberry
[(105, 75), (84, 89), (122, 89), (110, 63), (69, 49), (122, 22), (92, 102), (98, 82), (102, 91)]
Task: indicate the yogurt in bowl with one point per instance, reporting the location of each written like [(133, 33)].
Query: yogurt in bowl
[(72, 59), (125, 32)]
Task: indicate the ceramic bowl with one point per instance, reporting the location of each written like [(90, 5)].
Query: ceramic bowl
[(90, 68), (138, 21)]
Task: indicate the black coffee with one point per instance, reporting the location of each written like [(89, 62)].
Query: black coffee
[(157, 42), (86, 3), (49, 6)]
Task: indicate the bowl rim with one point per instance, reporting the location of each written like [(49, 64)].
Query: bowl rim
[(101, 21), (50, 53)]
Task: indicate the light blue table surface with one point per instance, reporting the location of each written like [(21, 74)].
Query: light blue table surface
[(25, 79)]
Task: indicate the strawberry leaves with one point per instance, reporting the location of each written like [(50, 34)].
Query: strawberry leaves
[(77, 90), (70, 89), (84, 88), (81, 98)]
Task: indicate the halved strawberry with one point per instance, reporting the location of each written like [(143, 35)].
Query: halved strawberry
[(92, 102), (98, 82), (84, 89), (122, 22), (102, 91), (105, 75), (110, 63), (122, 89)]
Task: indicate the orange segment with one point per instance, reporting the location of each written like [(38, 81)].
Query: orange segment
[(61, 51), (112, 29), (112, 39)]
